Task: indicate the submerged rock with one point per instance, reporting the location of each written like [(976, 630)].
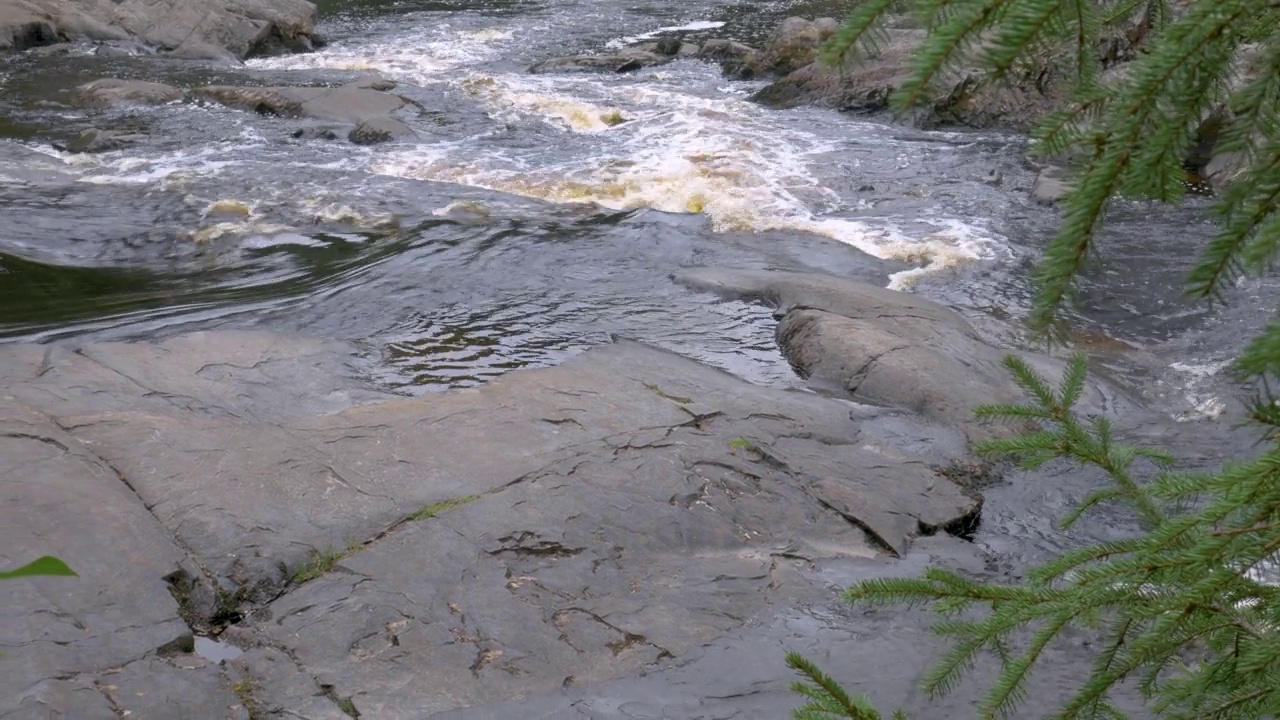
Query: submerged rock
[(211, 28), (95, 140), (110, 91)]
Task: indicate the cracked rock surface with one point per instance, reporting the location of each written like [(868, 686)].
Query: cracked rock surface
[(620, 518)]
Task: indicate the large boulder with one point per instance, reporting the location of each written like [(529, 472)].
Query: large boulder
[(794, 45), (961, 97), (234, 29), (889, 348), (736, 59)]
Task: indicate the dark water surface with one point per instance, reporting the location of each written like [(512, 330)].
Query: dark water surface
[(526, 226)]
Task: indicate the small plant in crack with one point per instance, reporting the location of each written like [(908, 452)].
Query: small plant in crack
[(434, 509), (244, 690), (322, 562), (743, 444)]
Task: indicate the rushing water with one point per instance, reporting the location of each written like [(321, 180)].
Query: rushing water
[(537, 216)]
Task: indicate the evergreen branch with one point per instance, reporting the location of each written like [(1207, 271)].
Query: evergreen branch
[(861, 23), (1085, 203), (1244, 207), (828, 699), (946, 43)]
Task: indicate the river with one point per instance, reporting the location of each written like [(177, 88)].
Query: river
[(540, 215)]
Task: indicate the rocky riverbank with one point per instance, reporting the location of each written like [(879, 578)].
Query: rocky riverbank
[(210, 29), (394, 557)]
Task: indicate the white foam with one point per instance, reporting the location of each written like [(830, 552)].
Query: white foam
[(1202, 405), (690, 27), (421, 59), (681, 153)]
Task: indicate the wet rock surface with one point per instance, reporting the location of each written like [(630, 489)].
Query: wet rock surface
[(556, 528), (218, 29), (626, 60), (347, 103), (864, 85), (890, 349)]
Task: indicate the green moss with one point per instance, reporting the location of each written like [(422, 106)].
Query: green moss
[(434, 509), (666, 396), (347, 706), (322, 562), (742, 443), (244, 692)]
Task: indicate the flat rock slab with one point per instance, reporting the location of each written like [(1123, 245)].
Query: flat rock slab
[(346, 103), (73, 645), (563, 526)]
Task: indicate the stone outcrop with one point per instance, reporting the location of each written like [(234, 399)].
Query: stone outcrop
[(234, 29), (889, 349), (625, 60), (794, 45), (556, 527), (962, 97)]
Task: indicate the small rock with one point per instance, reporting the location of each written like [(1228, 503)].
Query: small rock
[(736, 59), (314, 134), (993, 177), (668, 46), (110, 91), (1051, 185), (373, 82), (688, 50), (380, 130), (122, 49)]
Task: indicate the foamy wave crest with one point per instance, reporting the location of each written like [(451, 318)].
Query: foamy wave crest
[(682, 154), (420, 60), (572, 113)]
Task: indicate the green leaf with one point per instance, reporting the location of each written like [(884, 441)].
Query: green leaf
[(44, 566)]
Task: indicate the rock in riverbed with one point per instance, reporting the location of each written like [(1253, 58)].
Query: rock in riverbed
[(626, 513), (888, 348), (865, 84), (627, 60), (209, 28), (359, 104)]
